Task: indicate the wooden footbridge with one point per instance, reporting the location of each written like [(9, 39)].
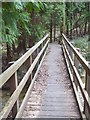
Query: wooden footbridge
[(55, 88)]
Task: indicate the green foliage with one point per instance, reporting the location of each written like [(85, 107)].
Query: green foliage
[(82, 43), (16, 19), (11, 16)]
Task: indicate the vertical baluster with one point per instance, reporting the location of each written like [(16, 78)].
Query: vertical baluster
[(36, 53), (87, 88), (13, 86), (71, 55), (76, 63), (28, 62)]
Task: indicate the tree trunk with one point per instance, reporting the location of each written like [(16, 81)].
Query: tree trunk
[(13, 48), (89, 31), (54, 31), (31, 40), (24, 41), (54, 21), (64, 19), (89, 22), (85, 28), (67, 14), (51, 29), (9, 54), (71, 22)]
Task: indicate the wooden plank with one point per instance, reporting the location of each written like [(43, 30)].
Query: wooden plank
[(13, 68), (5, 112), (52, 113), (51, 108)]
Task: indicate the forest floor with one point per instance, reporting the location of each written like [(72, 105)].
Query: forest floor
[(52, 95)]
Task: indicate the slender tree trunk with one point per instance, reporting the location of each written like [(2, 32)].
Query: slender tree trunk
[(64, 19), (67, 14), (71, 26), (54, 21), (76, 31), (51, 29), (9, 54), (32, 41), (89, 22), (13, 47), (54, 31), (89, 31), (71, 19), (86, 22), (24, 41), (85, 28)]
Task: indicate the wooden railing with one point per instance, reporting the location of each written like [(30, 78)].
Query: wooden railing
[(73, 59), (12, 107)]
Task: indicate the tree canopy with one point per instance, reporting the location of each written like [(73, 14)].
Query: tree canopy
[(24, 23)]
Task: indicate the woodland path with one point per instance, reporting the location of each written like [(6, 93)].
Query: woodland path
[(52, 95)]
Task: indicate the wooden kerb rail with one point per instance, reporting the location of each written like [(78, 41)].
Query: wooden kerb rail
[(11, 74), (73, 57)]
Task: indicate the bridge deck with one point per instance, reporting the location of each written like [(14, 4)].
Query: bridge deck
[(52, 95)]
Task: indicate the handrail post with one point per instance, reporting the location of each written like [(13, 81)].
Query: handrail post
[(29, 62), (13, 86), (76, 64), (87, 88)]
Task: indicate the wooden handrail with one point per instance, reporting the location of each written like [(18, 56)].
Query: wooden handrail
[(4, 77), (20, 112), (81, 85), (68, 48), (78, 55), (14, 97)]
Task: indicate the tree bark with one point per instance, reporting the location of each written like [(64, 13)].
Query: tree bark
[(54, 22), (89, 31), (24, 41), (64, 19), (89, 21), (9, 54), (51, 29), (85, 28), (31, 40), (67, 14)]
